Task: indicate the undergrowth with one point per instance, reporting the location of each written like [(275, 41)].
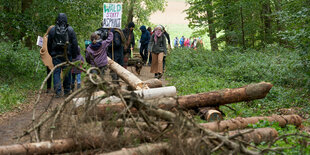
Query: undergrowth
[(21, 71), (195, 71)]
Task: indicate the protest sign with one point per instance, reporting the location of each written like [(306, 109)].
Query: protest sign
[(40, 41), (112, 15)]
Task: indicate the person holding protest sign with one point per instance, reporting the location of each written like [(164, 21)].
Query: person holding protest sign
[(47, 59), (158, 47), (115, 50), (130, 42)]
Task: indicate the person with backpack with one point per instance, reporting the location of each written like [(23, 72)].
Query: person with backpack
[(62, 46), (96, 53), (145, 38), (130, 42), (75, 72), (115, 50), (47, 59), (158, 47)]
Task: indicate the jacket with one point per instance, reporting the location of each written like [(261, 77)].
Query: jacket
[(145, 36), (79, 57), (160, 46), (131, 40), (73, 44), (97, 53)]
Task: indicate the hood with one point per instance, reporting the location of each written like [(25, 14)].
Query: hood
[(143, 28), (62, 19)]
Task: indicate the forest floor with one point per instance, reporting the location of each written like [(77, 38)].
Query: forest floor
[(15, 122)]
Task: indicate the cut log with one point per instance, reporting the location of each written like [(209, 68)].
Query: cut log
[(257, 136), (47, 147), (131, 79), (153, 83), (216, 98), (211, 114), (157, 92), (241, 123)]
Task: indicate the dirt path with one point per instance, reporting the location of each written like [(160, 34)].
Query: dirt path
[(14, 123)]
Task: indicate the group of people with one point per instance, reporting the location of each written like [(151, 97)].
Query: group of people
[(60, 45), (153, 48), (187, 42)]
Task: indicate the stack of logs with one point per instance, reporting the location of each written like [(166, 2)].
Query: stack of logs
[(165, 98)]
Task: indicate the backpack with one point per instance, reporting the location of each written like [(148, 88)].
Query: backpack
[(61, 35)]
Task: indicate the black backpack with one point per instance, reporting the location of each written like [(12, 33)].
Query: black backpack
[(61, 36)]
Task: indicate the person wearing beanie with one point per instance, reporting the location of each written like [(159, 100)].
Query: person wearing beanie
[(130, 42)]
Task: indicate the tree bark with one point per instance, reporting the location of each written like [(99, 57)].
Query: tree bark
[(127, 76), (266, 12), (242, 28), (212, 31), (241, 123), (226, 96), (211, 114), (153, 83)]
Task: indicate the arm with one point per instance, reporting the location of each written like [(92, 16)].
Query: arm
[(151, 43), (74, 43), (108, 41), (50, 41)]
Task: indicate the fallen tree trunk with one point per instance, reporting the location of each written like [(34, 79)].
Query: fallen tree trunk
[(216, 98), (241, 123), (211, 114), (132, 80), (153, 83), (257, 136), (48, 147)]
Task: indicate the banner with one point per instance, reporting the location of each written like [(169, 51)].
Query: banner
[(112, 15)]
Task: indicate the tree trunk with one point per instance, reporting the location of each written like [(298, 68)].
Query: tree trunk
[(212, 32), (25, 5), (226, 96), (280, 28), (210, 114), (153, 83), (266, 12), (133, 81), (130, 11), (242, 28), (241, 123)]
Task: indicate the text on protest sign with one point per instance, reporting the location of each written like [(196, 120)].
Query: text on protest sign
[(112, 15)]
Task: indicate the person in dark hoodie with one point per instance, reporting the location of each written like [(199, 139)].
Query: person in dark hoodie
[(96, 53), (57, 52), (144, 40), (115, 50), (130, 42)]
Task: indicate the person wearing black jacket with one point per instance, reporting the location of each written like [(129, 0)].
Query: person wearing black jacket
[(115, 49), (169, 46), (130, 42), (57, 53)]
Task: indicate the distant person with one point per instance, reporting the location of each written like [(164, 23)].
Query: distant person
[(150, 30), (169, 46), (130, 42), (47, 59), (116, 50), (75, 72), (158, 47), (182, 40), (176, 42), (96, 53), (144, 40), (57, 38), (186, 42)]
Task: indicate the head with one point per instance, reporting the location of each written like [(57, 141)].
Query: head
[(94, 37), (149, 29), (158, 27), (143, 28), (131, 26), (62, 19)]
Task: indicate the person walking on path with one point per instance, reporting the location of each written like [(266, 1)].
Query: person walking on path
[(169, 46), (96, 53), (47, 59), (176, 42), (144, 40), (182, 39), (76, 73), (56, 44), (130, 42), (116, 51), (158, 47)]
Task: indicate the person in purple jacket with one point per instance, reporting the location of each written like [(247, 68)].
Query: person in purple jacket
[(96, 54), (76, 73)]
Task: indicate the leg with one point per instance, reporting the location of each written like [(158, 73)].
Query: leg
[(78, 80), (154, 65), (164, 63), (56, 77), (160, 62), (73, 81), (49, 80), (67, 83)]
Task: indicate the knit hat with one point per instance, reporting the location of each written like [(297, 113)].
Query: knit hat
[(131, 24)]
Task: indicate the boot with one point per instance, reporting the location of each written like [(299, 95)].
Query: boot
[(78, 86)]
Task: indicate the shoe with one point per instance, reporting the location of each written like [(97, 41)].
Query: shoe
[(159, 75), (58, 95), (48, 90), (78, 86)]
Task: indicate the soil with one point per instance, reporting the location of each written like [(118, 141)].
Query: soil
[(15, 122)]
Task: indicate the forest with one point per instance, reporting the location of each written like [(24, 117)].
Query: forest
[(249, 43)]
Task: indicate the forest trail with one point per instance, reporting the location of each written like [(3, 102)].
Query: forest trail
[(13, 124)]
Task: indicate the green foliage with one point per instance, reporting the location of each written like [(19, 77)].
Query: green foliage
[(195, 71), (21, 71)]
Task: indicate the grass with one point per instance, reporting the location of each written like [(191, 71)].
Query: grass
[(21, 72), (203, 71)]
